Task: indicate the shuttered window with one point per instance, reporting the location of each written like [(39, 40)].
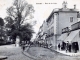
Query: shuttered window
[(71, 19)]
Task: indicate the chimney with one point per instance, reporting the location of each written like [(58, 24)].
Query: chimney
[(74, 6), (64, 4)]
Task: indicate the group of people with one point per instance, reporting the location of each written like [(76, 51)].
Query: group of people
[(69, 47)]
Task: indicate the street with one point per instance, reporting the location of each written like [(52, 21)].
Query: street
[(15, 53), (46, 54)]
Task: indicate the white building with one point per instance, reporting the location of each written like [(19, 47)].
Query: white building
[(60, 26), (59, 19), (42, 32)]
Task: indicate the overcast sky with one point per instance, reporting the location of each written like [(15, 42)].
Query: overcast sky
[(42, 11)]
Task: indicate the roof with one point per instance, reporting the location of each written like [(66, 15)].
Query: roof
[(61, 10), (49, 16)]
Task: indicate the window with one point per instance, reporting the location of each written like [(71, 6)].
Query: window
[(71, 19)]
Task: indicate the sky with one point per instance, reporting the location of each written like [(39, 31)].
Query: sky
[(42, 8)]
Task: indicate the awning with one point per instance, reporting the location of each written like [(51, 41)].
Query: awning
[(72, 35), (63, 37)]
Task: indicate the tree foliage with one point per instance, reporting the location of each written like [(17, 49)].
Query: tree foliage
[(27, 31), (19, 11), (17, 14), (2, 32), (1, 22)]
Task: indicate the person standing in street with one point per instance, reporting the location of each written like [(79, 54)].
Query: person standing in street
[(23, 47), (67, 46)]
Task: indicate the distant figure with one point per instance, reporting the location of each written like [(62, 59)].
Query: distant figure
[(67, 46), (75, 47), (63, 45), (59, 46), (23, 48)]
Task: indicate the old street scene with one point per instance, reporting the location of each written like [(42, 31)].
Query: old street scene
[(39, 30)]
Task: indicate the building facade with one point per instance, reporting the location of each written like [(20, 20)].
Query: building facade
[(58, 22), (42, 33), (59, 19)]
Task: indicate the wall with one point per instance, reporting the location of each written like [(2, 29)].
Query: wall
[(64, 20), (44, 27), (55, 22)]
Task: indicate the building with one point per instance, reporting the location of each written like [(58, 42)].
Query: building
[(59, 19), (71, 36), (59, 26), (42, 33)]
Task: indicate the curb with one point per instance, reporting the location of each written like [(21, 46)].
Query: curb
[(71, 54), (28, 55), (58, 52)]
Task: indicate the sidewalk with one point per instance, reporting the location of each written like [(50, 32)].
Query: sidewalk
[(66, 53), (69, 53)]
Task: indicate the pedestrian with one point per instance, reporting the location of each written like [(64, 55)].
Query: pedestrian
[(59, 46), (23, 47), (67, 46), (76, 47), (15, 43)]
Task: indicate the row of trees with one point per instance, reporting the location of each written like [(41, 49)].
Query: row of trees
[(17, 14)]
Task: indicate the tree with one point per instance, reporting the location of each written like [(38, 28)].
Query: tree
[(17, 14), (2, 32), (1, 27), (27, 32)]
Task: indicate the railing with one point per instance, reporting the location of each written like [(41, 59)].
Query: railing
[(75, 26), (64, 30)]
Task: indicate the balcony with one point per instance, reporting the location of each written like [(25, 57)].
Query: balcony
[(64, 30), (50, 35), (75, 26)]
